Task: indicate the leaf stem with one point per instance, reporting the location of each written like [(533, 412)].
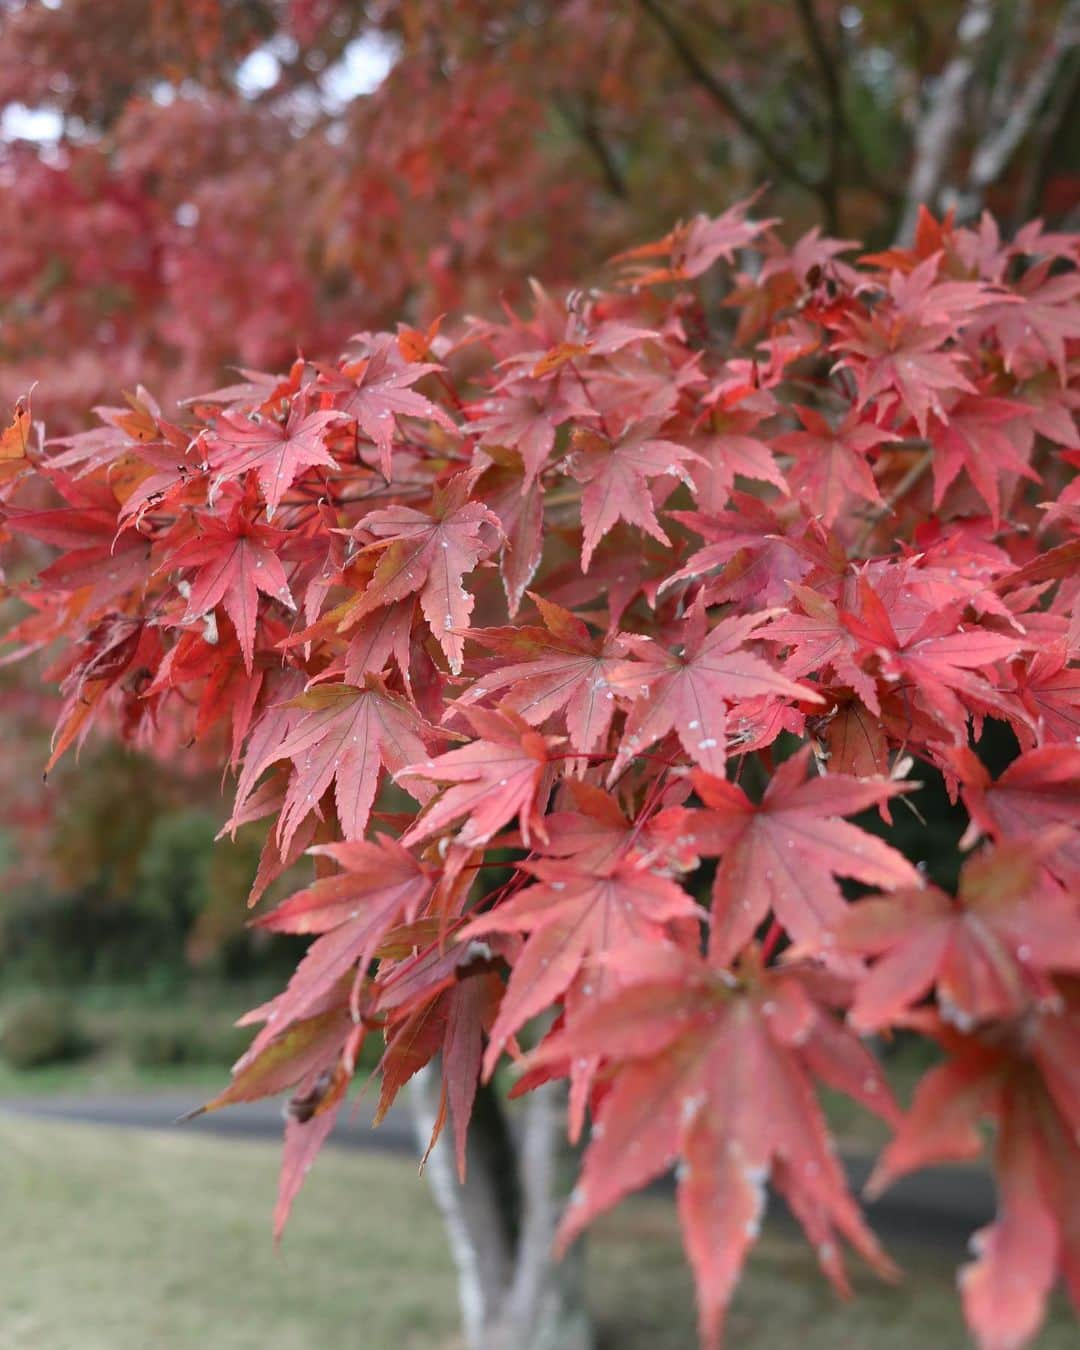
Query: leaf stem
[(907, 482), (772, 939)]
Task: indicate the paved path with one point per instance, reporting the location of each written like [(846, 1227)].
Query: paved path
[(938, 1208), (246, 1120)]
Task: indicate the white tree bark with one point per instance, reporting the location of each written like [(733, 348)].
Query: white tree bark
[(997, 148), (937, 127), (501, 1222), (1013, 111), (545, 1304)]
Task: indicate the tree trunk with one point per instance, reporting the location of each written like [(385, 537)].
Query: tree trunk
[(942, 120), (502, 1220)]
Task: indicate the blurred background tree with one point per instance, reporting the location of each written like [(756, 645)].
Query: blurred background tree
[(191, 185), (194, 183)]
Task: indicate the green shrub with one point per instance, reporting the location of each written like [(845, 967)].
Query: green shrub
[(153, 1047), (222, 1044), (184, 1040), (41, 1028)]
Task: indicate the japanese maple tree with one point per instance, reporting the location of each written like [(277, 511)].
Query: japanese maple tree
[(589, 655)]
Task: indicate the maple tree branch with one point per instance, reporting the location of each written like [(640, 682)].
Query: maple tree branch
[(587, 130), (841, 130), (937, 128), (914, 473), (837, 126), (1042, 140), (501, 1219), (726, 99), (1011, 45), (921, 32), (825, 59), (994, 151)]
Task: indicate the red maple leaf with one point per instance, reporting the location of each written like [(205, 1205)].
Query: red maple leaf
[(314, 1056), (617, 477), (695, 246), (1043, 325), (450, 1021), (506, 773), (528, 423), (560, 668), (256, 388), (376, 391), (277, 450), (347, 736), (381, 885), (727, 453), (689, 690), (310, 1117), (717, 1075), (1049, 688), (901, 351), (1040, 789), (1026, 1084), (429, 555), (236, 558), (987, 952), (819, 642), (305, 1046), (784, 853), (753, 538), (732, 441), (377, 637), (942, 660), (519, 505), (98, 556), (571, 917), (597, 833), (973, 435), (831, 464)]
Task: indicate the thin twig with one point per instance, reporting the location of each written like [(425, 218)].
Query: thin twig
[(772, 940), (726, 99), (842, 133), (587, 129), (834, 96), (1011, 46), (1041, 143), (906, 483)]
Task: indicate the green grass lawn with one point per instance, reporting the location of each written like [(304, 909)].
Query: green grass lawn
[(110, 1072), (123, 1240)]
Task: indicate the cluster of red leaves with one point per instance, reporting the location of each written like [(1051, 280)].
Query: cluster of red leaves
[(496, 625), (182, 223)]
